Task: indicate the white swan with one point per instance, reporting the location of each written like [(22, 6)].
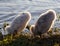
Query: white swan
[(18, 24), (44, 23)]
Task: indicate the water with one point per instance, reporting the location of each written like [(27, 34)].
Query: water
[(11, 8)]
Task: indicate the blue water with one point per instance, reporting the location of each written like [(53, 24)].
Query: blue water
[(11, 8)]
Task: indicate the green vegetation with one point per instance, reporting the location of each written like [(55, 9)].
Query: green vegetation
[(26, 40)]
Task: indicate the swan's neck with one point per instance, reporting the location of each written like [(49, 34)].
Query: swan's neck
[(4, 32)]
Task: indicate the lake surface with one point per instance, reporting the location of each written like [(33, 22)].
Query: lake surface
[(11, 8)]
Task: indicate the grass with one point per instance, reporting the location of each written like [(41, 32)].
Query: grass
[(26, 40)]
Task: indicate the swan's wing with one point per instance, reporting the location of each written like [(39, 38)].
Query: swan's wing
[(45, 21)]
